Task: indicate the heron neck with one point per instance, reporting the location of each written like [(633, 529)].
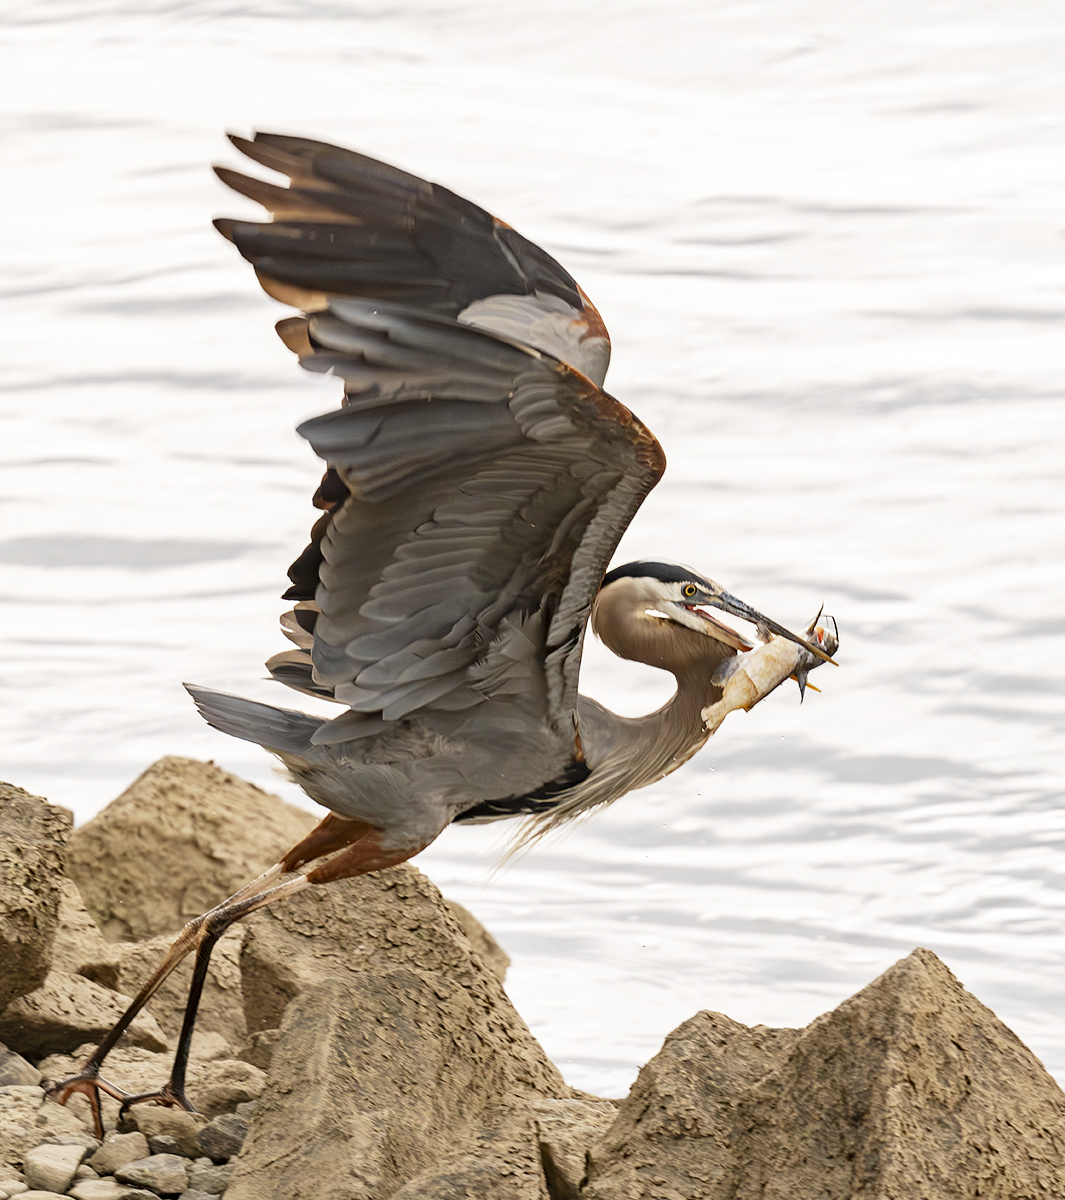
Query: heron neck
[(654, 745)]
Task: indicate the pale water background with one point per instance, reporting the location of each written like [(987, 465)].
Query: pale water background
[(827, 240)]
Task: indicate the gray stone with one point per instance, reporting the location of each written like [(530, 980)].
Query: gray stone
[(117, 1150), (166, 1174), (89, 1142), (33, 838), (213, 1179), (67, 1011), (223, 1138), (184, 1127), (26, 1120), (51, 1168), (109, 1189), (164, 1143), (15, 1071), (99, 1189)]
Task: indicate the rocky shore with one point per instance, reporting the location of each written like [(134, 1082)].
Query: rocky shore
[(356, 1043)]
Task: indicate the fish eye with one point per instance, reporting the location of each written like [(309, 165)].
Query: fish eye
[(689, 589)]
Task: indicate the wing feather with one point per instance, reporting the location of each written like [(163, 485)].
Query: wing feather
[(479, 478)]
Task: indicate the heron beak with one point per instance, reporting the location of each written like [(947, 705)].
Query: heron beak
[(728, 603)]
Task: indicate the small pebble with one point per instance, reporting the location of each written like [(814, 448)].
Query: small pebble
[(246, 1108), (223, 1137), (164, 1143), (90, 1143), (193, 1195), (86, 1172), (50, 1168), (166, 1174), (213, 1179), (117, 1150)]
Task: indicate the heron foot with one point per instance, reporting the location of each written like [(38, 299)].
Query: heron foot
[(170, 1095), (87, 1083)]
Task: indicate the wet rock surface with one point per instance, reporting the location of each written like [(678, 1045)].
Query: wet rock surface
[(357, 1044)]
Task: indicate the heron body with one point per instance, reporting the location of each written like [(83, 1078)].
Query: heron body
[(478, 480)]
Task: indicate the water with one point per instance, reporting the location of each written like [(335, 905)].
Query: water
[(827, 242)]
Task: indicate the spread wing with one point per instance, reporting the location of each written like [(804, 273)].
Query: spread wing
[(478, 477)]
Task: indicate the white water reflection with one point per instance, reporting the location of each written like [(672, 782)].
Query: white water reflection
[(828, 246)]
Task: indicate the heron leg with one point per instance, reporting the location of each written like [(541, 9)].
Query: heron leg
[(88, 1082), (215, 923)]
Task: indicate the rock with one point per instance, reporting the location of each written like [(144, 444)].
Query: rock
[(219, 1086), (258, 1048), (117, 1150), (86, 1141), (213, 1179), (223, 1137), (33, 838), (166, 1174), (79, 947), (388, 1012), (566, 1130), (215, 1086), (434, 1056), (15, 1071), (37, 1194), (109, 1189), (51, 1168), (181, 838), (69, 1010), (104, 1189), (496, 959), (222, 1006), (11, 1187), (196, 1194), (184, 1127), (910, 1088), (26, 1120), (163, 1143)]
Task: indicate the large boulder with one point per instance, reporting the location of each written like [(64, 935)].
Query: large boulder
[(400, 1067), (68, 1010), (181, 838), (33, 838), (912, 1088)]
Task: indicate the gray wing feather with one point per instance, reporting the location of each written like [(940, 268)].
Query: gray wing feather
[(481, 483)]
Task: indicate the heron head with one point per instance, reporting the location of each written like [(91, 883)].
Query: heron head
[(639, 602)]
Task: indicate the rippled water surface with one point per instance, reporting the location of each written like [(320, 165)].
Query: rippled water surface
[(828, 244)]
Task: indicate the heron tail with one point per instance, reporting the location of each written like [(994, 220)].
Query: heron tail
[(278, 729)]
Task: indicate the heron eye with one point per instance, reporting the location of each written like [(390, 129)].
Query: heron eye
[(689, 589)]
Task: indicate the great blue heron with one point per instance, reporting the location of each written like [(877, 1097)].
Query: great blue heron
[(478, 482)]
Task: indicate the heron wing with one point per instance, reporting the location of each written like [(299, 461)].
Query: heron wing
[(349, 225), (477, 484)]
